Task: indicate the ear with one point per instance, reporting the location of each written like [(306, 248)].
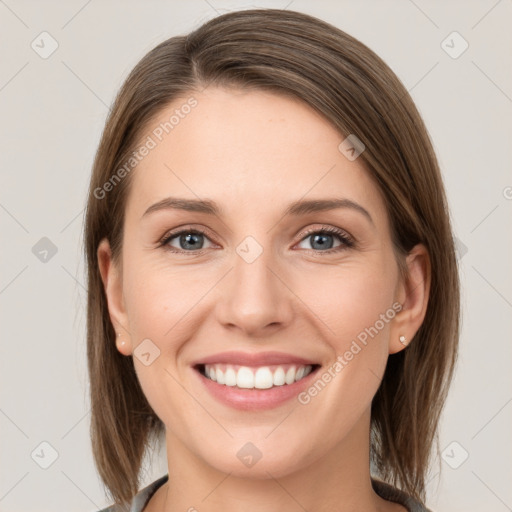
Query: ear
[(413, 294), (111, 276)]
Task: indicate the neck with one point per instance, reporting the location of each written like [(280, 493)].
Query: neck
[(338, 479)]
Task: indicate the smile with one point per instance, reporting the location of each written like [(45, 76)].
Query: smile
[(263, 377)]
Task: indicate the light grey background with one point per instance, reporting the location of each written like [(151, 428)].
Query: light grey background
[(52, 111)]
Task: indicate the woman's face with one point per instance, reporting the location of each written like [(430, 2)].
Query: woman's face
[(224, 257)]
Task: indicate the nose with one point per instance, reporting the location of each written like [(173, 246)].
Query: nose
[(254, 297)]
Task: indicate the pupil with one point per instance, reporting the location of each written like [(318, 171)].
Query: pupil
[(320, 239), (190, 241)]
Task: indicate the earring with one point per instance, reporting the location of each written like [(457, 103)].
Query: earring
[(403, 340), (122, 343)]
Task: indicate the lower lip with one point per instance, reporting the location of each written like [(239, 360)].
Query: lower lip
[(256, 399)]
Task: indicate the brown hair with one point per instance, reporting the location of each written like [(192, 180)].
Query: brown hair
[(300, 56)]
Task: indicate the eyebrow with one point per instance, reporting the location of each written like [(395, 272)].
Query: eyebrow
[(296, 208)]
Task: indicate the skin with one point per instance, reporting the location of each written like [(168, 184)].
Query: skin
[(254, 153)]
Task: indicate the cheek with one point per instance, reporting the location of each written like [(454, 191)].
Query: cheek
[(353, 302), (157, 299), (162, 306), (159, 306), (351, 298)]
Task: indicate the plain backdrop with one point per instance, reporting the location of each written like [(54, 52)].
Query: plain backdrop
[(52, 110)]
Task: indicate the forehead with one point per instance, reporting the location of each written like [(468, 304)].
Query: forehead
[(245, 150)]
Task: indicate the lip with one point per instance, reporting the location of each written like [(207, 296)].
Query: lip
[(254, 359), (255, 399)]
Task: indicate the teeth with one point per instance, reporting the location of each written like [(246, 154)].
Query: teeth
[(245, 378), (263, 377), (290, 375), (279, 377), (230, 377)]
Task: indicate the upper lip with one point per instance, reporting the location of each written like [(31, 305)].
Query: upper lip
[(253, 359)]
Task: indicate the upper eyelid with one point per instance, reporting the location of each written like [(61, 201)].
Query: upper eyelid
[(329, 229), (169, 235)]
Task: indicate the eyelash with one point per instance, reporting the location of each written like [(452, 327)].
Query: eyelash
[(346, 241)]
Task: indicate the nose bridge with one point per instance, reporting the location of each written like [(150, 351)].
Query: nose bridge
[(251, 269), (255, 297)]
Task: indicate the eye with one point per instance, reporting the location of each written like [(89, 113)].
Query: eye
[(322, 240), (186, 240)]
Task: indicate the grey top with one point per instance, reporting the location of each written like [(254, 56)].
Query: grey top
[(383, 489)]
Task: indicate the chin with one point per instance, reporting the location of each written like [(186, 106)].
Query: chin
[(254, 461)]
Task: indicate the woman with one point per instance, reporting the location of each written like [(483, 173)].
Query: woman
[(271, 275)]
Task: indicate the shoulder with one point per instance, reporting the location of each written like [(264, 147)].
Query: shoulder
[(390, 493), (140, 499)]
